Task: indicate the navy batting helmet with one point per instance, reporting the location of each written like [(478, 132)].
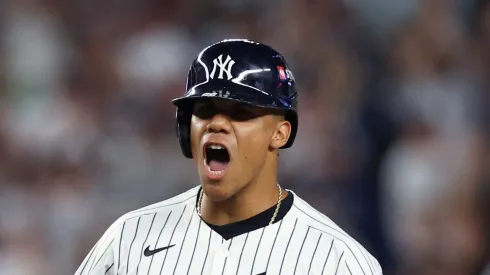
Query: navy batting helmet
[(243, 71)]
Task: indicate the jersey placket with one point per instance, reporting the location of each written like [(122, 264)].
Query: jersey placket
[(220, 256)]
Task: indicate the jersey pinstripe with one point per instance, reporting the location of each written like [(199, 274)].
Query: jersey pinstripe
[(303, 242)]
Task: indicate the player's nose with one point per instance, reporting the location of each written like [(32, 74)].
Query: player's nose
[(219, 123)]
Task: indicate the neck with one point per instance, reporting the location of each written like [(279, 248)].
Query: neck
[(251, 200)]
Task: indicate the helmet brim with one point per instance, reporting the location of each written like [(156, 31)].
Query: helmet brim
[(232, 91)]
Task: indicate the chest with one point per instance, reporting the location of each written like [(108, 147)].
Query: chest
[(189, 246)]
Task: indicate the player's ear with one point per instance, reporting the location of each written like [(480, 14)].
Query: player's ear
[(281, 134)]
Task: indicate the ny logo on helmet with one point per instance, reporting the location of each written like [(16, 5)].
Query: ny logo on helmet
[(224, 67)]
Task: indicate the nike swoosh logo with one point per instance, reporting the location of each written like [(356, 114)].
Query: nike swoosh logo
[(149, 252)]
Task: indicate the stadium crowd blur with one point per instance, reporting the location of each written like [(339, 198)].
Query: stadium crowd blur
[(393, 141)]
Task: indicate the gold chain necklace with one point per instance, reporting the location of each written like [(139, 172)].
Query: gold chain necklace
[(199, 202)]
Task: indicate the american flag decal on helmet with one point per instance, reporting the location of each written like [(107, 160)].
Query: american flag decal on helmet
[(282, 72)]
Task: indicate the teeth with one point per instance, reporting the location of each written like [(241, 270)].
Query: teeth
[(216, 147), (216, 173)]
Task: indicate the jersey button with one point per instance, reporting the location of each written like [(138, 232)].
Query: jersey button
[(223, 252)]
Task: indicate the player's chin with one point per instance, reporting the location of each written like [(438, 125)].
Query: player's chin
[(217, 192)]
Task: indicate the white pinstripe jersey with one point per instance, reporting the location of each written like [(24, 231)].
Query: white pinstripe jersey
[(303, 242)]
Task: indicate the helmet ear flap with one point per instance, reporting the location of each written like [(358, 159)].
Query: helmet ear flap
[(183, 129)]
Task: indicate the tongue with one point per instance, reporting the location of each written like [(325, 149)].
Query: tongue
[(217, 165)]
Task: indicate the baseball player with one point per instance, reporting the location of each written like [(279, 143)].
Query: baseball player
[(239, 109)]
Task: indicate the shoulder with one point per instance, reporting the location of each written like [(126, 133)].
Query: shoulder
[(348, 252), (176, 203), (101, 257)]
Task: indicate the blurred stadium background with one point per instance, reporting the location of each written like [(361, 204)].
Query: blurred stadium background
[(393, 141)]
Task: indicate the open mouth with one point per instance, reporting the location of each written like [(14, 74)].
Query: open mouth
[(217, 159)]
